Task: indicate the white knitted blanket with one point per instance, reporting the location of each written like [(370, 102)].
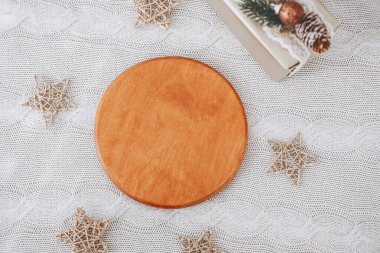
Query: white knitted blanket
[(334, 101)]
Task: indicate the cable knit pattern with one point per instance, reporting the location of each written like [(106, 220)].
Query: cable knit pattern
[(46, 173)]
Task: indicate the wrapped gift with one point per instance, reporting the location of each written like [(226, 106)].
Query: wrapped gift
[(279, 53)]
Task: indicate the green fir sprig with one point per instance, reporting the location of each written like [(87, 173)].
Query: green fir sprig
[(261, 11)]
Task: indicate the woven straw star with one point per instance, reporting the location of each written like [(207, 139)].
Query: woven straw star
[(154, 12), (291, 158), (201, 245), (50, 99), (86, 235)]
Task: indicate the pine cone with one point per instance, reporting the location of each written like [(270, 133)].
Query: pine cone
[(313, 33)]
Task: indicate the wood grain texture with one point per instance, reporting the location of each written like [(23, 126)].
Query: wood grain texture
[(170, 132)]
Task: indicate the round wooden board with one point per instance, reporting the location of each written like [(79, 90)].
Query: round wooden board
[(170, 132)]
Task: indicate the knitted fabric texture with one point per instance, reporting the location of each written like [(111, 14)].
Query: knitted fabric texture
[(50, 99), (46, 173), (86, 235), (154, 12), (291, 158)]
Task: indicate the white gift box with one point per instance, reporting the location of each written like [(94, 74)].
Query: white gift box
[(274, 54)]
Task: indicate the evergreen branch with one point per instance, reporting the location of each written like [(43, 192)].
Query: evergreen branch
[(261, 11)]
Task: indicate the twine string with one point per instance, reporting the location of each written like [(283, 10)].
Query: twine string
[(50, 99), (201, 245), (154, 12), (86, 235), (290, 158)]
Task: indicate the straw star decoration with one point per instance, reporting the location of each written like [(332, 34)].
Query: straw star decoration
[(201, 245), (86, 235), (50, 98), (154, 12), (291, 158)]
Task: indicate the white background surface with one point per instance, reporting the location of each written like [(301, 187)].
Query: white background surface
[(334, 102)]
